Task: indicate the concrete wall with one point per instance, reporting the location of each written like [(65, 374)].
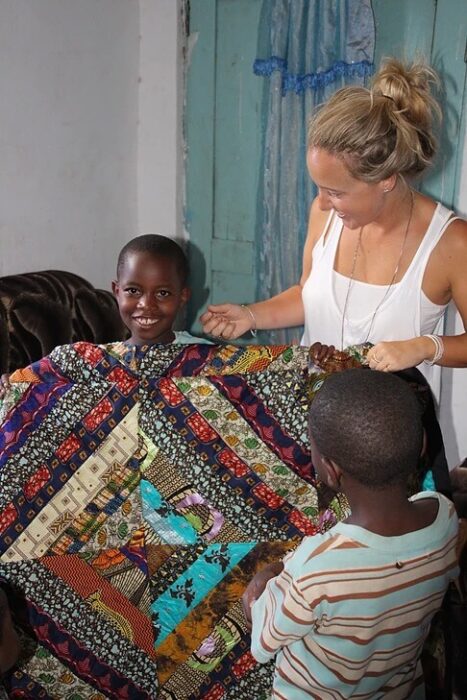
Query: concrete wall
[(90, 135), (453, 413), (160, 149)]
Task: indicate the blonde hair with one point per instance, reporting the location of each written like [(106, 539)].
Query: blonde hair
[(384, 130)]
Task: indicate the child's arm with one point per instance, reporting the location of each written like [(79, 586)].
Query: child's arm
[(257, 586), (281, 615)]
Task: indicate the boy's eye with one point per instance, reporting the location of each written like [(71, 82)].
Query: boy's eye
[(164, 293), (131, 290)]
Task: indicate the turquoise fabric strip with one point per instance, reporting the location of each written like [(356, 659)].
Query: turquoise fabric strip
[(171, 527), (195, 584)]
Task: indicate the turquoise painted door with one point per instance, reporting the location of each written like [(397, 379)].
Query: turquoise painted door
[(434, 30), (223, 126), (223, 138)]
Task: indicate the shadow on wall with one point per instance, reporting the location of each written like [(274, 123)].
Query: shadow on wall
[(197, 282)]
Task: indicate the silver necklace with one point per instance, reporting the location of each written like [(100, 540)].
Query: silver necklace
[(391, 283)]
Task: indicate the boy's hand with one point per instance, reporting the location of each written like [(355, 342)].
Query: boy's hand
[(4, 385), (321, 353), (257, 586), (327, 358)]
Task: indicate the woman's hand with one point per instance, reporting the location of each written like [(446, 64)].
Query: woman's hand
[(4, 385), (226, 321), (257, 586), (394, 355)]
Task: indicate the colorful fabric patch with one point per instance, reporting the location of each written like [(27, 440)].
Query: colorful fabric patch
[(140, 491)]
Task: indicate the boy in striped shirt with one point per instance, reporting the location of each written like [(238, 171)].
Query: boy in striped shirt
[(347, 612)]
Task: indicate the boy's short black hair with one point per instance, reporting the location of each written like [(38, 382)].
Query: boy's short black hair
[(369, 423), (157, 246)]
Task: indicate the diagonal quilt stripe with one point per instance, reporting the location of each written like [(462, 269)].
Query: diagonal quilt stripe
[(183, 595), (267, 427), (82, 661), (196, 627), (106, 600), (71, 499), (239, 430)]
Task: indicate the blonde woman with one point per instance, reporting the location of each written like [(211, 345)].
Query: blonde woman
[(381, 260)]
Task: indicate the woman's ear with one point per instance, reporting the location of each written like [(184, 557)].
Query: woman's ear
[(388, 184)]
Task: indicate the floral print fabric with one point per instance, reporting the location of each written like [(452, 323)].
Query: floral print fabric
[(140, 490)]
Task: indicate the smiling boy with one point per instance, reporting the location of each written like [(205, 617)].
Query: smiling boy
[(151, 289)]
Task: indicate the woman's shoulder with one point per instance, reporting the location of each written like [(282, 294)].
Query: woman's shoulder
[(453, 243), (454, 228)]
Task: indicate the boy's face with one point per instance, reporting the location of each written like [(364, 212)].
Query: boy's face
[(149, 294)]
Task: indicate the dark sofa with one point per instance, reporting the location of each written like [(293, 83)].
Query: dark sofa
[(40, 310)]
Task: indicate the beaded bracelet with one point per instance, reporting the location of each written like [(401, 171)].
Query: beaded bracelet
[(439, 349), (254, 329)]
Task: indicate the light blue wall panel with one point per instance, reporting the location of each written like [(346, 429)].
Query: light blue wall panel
[(448, 57), (237, 132), (199, 138), (434, 31), (223, 135), (404, 28)]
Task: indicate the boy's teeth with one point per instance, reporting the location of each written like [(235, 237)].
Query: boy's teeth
[(147, 321)]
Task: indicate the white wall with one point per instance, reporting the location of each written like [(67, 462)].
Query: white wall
[(453, 407), (160, 152), (73, 155)]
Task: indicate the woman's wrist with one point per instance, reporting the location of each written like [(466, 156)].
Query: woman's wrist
[(253, 324), (434, 348)]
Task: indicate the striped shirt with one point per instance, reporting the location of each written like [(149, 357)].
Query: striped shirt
[(348, 615)]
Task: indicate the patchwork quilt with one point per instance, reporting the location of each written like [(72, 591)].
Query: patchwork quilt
[(140, 490)]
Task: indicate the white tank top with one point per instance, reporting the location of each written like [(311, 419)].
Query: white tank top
[(405, 312)]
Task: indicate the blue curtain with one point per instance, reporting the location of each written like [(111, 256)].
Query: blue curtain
[(307, 50)]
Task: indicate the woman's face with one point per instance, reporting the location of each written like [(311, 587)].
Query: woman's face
[(356, 202)]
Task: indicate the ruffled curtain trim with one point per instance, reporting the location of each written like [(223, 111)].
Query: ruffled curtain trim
[(312, 81)]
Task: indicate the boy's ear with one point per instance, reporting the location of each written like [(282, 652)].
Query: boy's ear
[(114, 287), (424, 444), (185, 295), (332, 473)]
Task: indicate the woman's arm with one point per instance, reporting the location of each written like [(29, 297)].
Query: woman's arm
[(284, 310), (451, 264)]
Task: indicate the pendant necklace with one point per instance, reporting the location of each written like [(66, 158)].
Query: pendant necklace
[(391, 283)]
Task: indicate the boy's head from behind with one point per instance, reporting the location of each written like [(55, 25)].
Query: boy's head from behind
[(369, 424), (151, 287)]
